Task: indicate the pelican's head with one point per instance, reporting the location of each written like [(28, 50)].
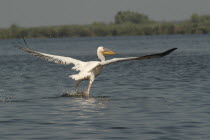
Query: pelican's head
[(101, 51), (106, 51)]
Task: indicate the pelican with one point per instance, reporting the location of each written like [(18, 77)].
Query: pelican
[(88, 70)]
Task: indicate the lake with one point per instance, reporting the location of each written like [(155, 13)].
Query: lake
[(156, 99)]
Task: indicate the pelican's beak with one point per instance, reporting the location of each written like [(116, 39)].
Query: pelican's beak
[(108, 52)]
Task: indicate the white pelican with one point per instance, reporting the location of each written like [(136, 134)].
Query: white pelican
[(91, 69)]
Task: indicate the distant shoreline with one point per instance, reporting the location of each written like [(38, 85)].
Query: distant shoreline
[(195, 25)]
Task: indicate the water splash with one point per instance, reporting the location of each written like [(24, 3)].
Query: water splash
[(73, 93), (80, 93)]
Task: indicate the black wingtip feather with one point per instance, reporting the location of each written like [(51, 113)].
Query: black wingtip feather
[(19, 45), (25, 42), (168, 52)]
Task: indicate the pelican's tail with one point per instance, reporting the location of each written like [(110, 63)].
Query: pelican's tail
[(75, 77), (80, 76)]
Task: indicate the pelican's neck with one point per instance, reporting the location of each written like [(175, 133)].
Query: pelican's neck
[(100, 55)]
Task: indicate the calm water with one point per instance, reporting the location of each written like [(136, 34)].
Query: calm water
[(158, 99)]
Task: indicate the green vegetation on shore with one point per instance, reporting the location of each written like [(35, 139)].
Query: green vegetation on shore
[(126, 23)]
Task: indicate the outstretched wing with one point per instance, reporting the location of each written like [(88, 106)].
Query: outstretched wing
[(157, 55), (53, 58)]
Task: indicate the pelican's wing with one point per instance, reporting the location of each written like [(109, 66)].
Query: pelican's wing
[(157, 55), (55, 58)]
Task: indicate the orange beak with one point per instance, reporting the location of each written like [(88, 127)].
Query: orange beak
[(108, 52)]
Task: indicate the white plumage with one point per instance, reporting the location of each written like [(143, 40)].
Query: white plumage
[(88, 70)]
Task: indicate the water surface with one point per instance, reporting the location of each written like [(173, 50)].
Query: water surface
[(156, 99)]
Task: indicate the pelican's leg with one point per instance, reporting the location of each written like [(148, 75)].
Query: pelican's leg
[(79, 81), (89, 87)]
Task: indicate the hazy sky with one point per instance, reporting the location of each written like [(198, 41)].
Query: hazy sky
[(58, 12)]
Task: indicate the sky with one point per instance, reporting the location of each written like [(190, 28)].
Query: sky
[(31, 13)]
